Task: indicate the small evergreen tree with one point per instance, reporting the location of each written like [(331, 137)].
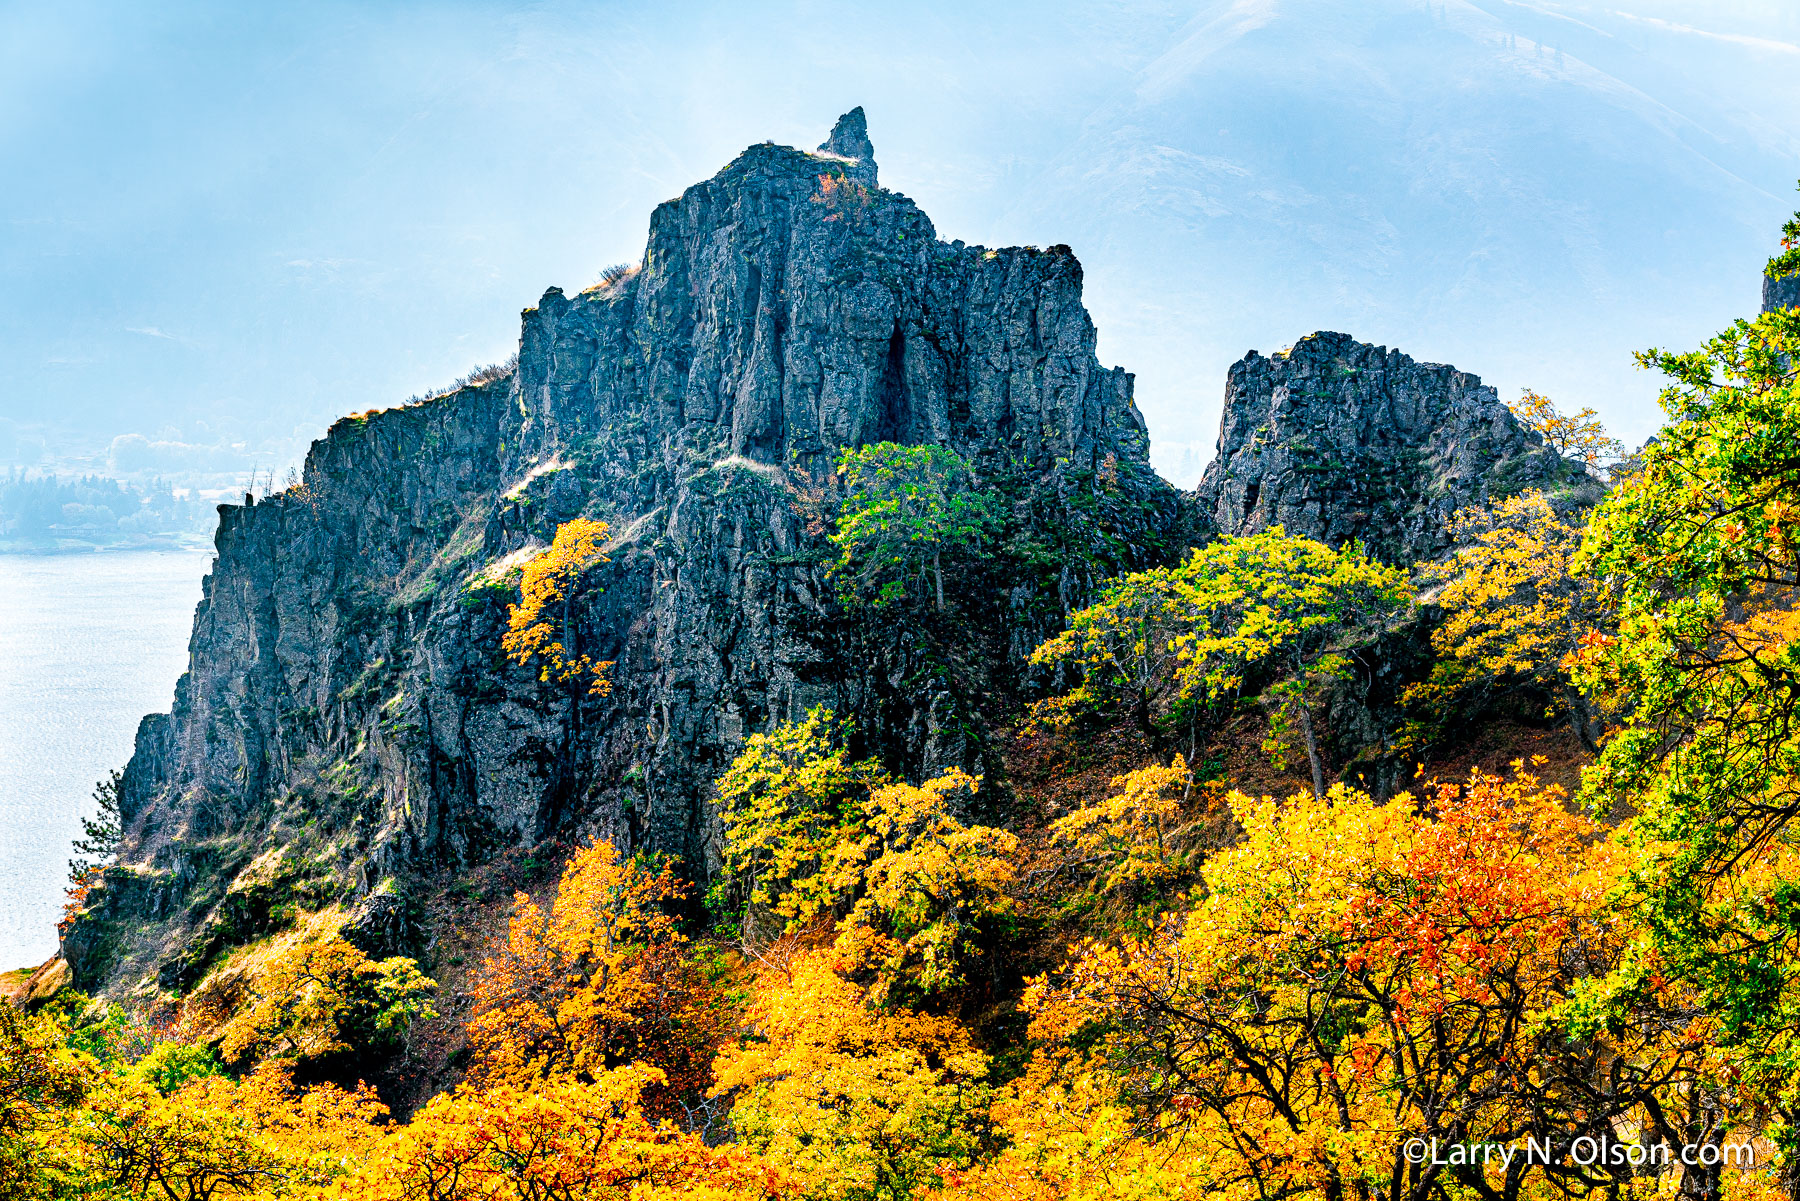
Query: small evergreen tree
[(96, 849)]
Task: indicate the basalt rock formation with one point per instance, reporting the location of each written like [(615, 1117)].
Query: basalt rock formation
[(348, 719), (1780, 292), (1338, 440)]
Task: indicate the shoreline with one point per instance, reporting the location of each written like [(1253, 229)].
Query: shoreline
[(198, 543)]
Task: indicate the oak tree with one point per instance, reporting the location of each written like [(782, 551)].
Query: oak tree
[(544, 627), (1272, 610), (601, 979), (1515, 609), (1580, 436), (1703, 543)]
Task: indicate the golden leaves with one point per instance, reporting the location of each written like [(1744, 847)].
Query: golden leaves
[(1580, 437), (857, 1099), (811, 835), (543, 627), (305, 994), (215, 1137), (1352, 974), (563, 1139), (1514, 605), (1130, 837), (600, 980)]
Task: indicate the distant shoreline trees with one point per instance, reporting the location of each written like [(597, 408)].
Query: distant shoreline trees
[(42, 511)]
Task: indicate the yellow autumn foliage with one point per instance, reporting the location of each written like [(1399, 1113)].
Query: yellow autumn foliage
[(813, 836), (1579, 436), (858, 1100), (1354, 975), (560, 1140), (259, 1138), (1130, 837), (600, 980), (1514, 607), (542, 628), (305, 994)]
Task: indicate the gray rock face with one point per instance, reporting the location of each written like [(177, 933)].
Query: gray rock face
[(1338, 440), (1780, 293), (348, 718), (850, 140)]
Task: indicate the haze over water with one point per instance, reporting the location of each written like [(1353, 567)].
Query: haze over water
[(89, 643)]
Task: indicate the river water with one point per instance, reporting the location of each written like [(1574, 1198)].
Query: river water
[(89, 643)]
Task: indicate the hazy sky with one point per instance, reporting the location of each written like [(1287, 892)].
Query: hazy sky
[(232, 222)]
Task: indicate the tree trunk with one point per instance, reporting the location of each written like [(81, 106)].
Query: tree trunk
[(1705, 1127), (1578, 718), (937, 568), (563, 791), (1312, 750)]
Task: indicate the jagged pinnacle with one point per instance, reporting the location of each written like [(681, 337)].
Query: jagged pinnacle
[(850, 139)]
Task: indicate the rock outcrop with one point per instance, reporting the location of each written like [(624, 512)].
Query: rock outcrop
[(1338, 440), (849, 141), (348, 719), (1780, 292)]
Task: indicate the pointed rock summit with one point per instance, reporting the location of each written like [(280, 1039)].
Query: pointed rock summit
[(850, 140)]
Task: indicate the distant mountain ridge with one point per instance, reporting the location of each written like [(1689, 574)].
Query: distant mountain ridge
[(43, 513)]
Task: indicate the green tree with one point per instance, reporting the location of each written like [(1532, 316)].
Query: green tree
[(1293, 607), (1703, 543), (812, 834), (96, 849), (1124, 653), (1282, 609), (905, 509), (786, 802)]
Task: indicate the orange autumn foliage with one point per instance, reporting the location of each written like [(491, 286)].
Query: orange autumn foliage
[(603, 978), (1579, 436), (1352, 975), (560, 1140)]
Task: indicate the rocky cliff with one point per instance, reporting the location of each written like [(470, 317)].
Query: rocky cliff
[(1337, 440), (348, 720), (1780, 292)]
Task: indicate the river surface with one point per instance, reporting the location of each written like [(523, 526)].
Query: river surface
[(89, 643)]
